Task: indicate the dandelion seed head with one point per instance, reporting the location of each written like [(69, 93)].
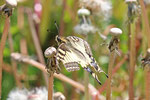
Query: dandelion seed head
[(18, 94), (38, 94), (98, 7), (84, 29), (12, 3), (147, 2)]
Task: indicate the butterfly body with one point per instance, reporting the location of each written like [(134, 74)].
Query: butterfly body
[(73, 51)]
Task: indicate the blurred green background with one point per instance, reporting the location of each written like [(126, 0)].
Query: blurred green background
[(65, 13)]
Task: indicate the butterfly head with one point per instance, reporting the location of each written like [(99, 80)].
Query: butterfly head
[(60, 39)]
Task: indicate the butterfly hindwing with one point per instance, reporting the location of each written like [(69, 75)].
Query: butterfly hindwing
[(67, 57), (81, 45)]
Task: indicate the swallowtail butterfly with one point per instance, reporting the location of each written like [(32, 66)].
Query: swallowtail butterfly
[(73, 51)]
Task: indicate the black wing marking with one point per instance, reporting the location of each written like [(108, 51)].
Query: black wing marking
[(81, 45), (96, 66), (93, 74), (68, 58)]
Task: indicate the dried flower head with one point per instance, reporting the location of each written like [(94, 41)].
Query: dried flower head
[(83, 12), (59, 96), (18, 94), (50, 52), (98, 7), (147, 2), (38, 94), (146, 59), (113, 45), (84, 29), (35, 94), (11, 3), (134, 9), (115, 31), (52, 65)]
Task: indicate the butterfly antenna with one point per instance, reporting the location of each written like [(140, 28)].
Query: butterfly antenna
[(57, 28)]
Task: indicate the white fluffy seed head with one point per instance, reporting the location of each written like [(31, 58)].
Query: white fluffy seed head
[(115, 31), (148, 50), (59, 96), (84, 12), (11, 3), (129, 1), (49, 52), (101, 8)]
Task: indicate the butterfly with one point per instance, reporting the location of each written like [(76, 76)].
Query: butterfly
[(73, 51)]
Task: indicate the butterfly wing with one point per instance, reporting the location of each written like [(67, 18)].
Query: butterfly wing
[(67, 57), (81, 45)]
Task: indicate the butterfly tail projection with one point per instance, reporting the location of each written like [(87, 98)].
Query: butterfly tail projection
[(93, 74), (96, 66)]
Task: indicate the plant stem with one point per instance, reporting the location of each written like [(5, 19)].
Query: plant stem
[(50, 88), (62, 18), (2, 45), (24, 51), (146, 26), (40, 55), (146, 21), (86, 81), (132, 54), (112, 61), (36, 42), (113, 72), (14, 65), (147, 83)]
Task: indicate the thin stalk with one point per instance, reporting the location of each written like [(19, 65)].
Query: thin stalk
[(50, 88), (74, 92), (147, 83), (14, 65), (132, 54), (110, 67), (62, 18), (24, 51), (147, 35), (20, 19), (113, 72), (40, 54), (146, 21), (36, 42), (86, 81), (2, 45)]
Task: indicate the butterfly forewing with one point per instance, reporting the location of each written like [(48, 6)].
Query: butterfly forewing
[(68, 58)]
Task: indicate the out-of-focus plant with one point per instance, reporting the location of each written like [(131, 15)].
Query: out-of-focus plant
[(113, 48)]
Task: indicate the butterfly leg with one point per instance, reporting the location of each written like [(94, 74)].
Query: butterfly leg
[(92, 73)]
